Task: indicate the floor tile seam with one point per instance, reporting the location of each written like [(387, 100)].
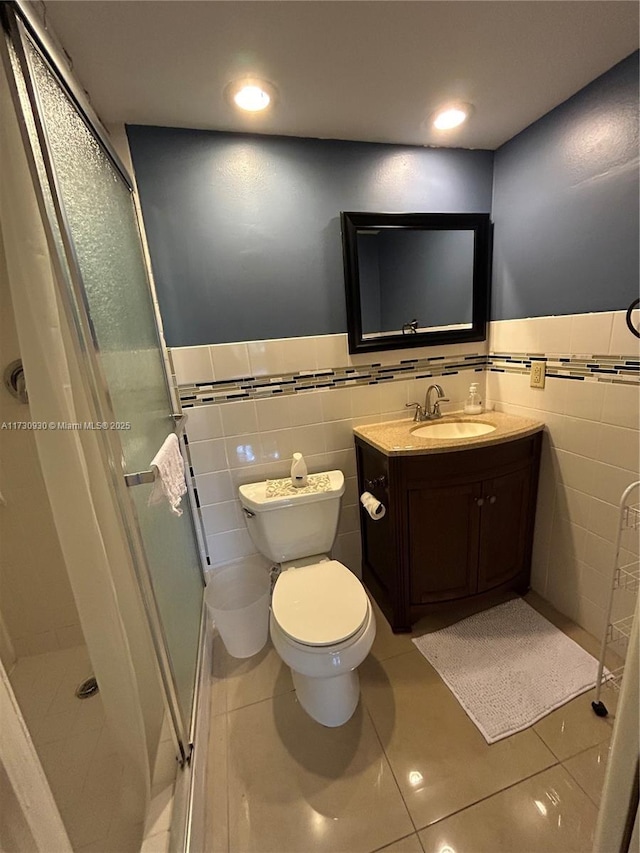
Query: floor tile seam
[(259, 701), (558, 759), (392, 771), (396, 655), (384, 847), (578, 783), (561, 758), (208, 775), (227, 759), (571, 757), (489, 796)]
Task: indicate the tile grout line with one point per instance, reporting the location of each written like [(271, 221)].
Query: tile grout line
[(388, 760), (224, 714), (489, 796), (386, 846), (397, 655), (575, 779), (227, 774), (260, 701)]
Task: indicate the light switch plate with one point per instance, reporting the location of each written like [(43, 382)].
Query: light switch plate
[(538, 369)]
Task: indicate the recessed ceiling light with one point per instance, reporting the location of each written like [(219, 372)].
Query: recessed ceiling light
[(450, 116), (251, 95)]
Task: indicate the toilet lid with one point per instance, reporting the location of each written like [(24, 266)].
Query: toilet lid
[(319, 605)]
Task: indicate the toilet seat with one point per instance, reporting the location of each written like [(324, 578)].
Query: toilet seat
[(319, 605)]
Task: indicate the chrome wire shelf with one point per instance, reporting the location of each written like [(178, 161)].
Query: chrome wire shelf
[(620, 630), (628, 577), (625, 576), (614, 679), (631, 517)]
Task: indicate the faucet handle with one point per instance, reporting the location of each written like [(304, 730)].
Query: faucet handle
[(436, 406), (419, 413)]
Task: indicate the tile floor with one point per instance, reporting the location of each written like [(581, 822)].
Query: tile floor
[(76, 751), (408, 773)]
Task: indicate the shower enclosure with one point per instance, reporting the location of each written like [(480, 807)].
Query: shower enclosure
[(111, 328)]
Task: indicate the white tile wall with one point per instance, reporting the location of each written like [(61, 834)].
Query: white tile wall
[(235, 443), (590, 454), (603, 333), (288, 355), (192, 364)]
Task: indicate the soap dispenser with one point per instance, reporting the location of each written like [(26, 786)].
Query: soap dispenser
[(298, 470), (473, 404)]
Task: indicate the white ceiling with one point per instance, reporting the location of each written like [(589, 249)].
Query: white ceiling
[(344, 69)]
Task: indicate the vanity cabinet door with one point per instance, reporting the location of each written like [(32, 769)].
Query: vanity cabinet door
[(443, 525), (504, 527)]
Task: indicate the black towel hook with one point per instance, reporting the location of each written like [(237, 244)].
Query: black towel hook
[(630, 309)]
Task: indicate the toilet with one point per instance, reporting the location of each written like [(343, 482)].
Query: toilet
[(321, 623)]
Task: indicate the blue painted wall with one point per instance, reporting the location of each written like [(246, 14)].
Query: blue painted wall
[(244, 231), (565, 205)]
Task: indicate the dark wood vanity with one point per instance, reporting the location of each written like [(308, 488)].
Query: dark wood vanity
[(458, 523)]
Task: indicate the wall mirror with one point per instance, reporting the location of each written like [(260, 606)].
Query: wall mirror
[(415, 279)]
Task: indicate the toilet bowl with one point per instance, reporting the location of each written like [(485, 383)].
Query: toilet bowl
[(321, 623)]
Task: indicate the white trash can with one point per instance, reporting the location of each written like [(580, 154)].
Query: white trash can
[(237, 598)]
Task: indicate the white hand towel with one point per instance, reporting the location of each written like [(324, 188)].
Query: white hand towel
[(168, 467)]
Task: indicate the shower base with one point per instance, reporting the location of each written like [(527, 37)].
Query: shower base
[(75, 749)]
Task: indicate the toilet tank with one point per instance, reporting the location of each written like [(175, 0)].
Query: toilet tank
[(293, 525)]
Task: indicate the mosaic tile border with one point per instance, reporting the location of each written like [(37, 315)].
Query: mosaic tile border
[(264, 387), (617, 369), (601, 368)]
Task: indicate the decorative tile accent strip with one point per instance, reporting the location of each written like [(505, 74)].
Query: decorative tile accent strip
[(618, 369), (261, 387)]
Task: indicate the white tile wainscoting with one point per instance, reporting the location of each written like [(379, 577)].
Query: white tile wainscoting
[(590, 454)]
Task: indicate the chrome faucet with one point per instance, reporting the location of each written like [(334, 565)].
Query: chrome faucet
[(419, 413), (430, 411), (433, 411)]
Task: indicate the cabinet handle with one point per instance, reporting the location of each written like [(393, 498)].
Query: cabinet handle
[(480, 501), (492, 499)]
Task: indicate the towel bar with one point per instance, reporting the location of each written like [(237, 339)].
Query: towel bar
[(142, 477)]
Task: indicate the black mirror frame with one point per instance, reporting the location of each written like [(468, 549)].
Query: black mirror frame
[(479, 223)]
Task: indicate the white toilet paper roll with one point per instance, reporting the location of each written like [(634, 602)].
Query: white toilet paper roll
[(373, 506)]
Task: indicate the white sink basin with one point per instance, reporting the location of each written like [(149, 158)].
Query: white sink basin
[(453, 429)]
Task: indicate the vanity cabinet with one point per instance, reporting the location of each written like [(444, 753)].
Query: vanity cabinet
[(458, 524)]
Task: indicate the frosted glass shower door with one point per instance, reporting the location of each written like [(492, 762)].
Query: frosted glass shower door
[(101, 229)]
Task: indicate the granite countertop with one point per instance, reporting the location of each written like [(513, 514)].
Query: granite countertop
[(396, 438)]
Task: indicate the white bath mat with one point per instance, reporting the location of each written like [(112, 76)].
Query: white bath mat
[(508, 667)]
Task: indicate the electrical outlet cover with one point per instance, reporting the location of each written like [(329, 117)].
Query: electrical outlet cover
[(538, 369)]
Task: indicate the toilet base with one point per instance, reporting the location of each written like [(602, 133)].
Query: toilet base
[(329, 701)]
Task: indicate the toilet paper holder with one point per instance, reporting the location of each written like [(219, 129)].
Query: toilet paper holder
[(376, 482)]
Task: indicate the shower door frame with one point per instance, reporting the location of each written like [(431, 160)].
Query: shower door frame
[(19, 24)]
